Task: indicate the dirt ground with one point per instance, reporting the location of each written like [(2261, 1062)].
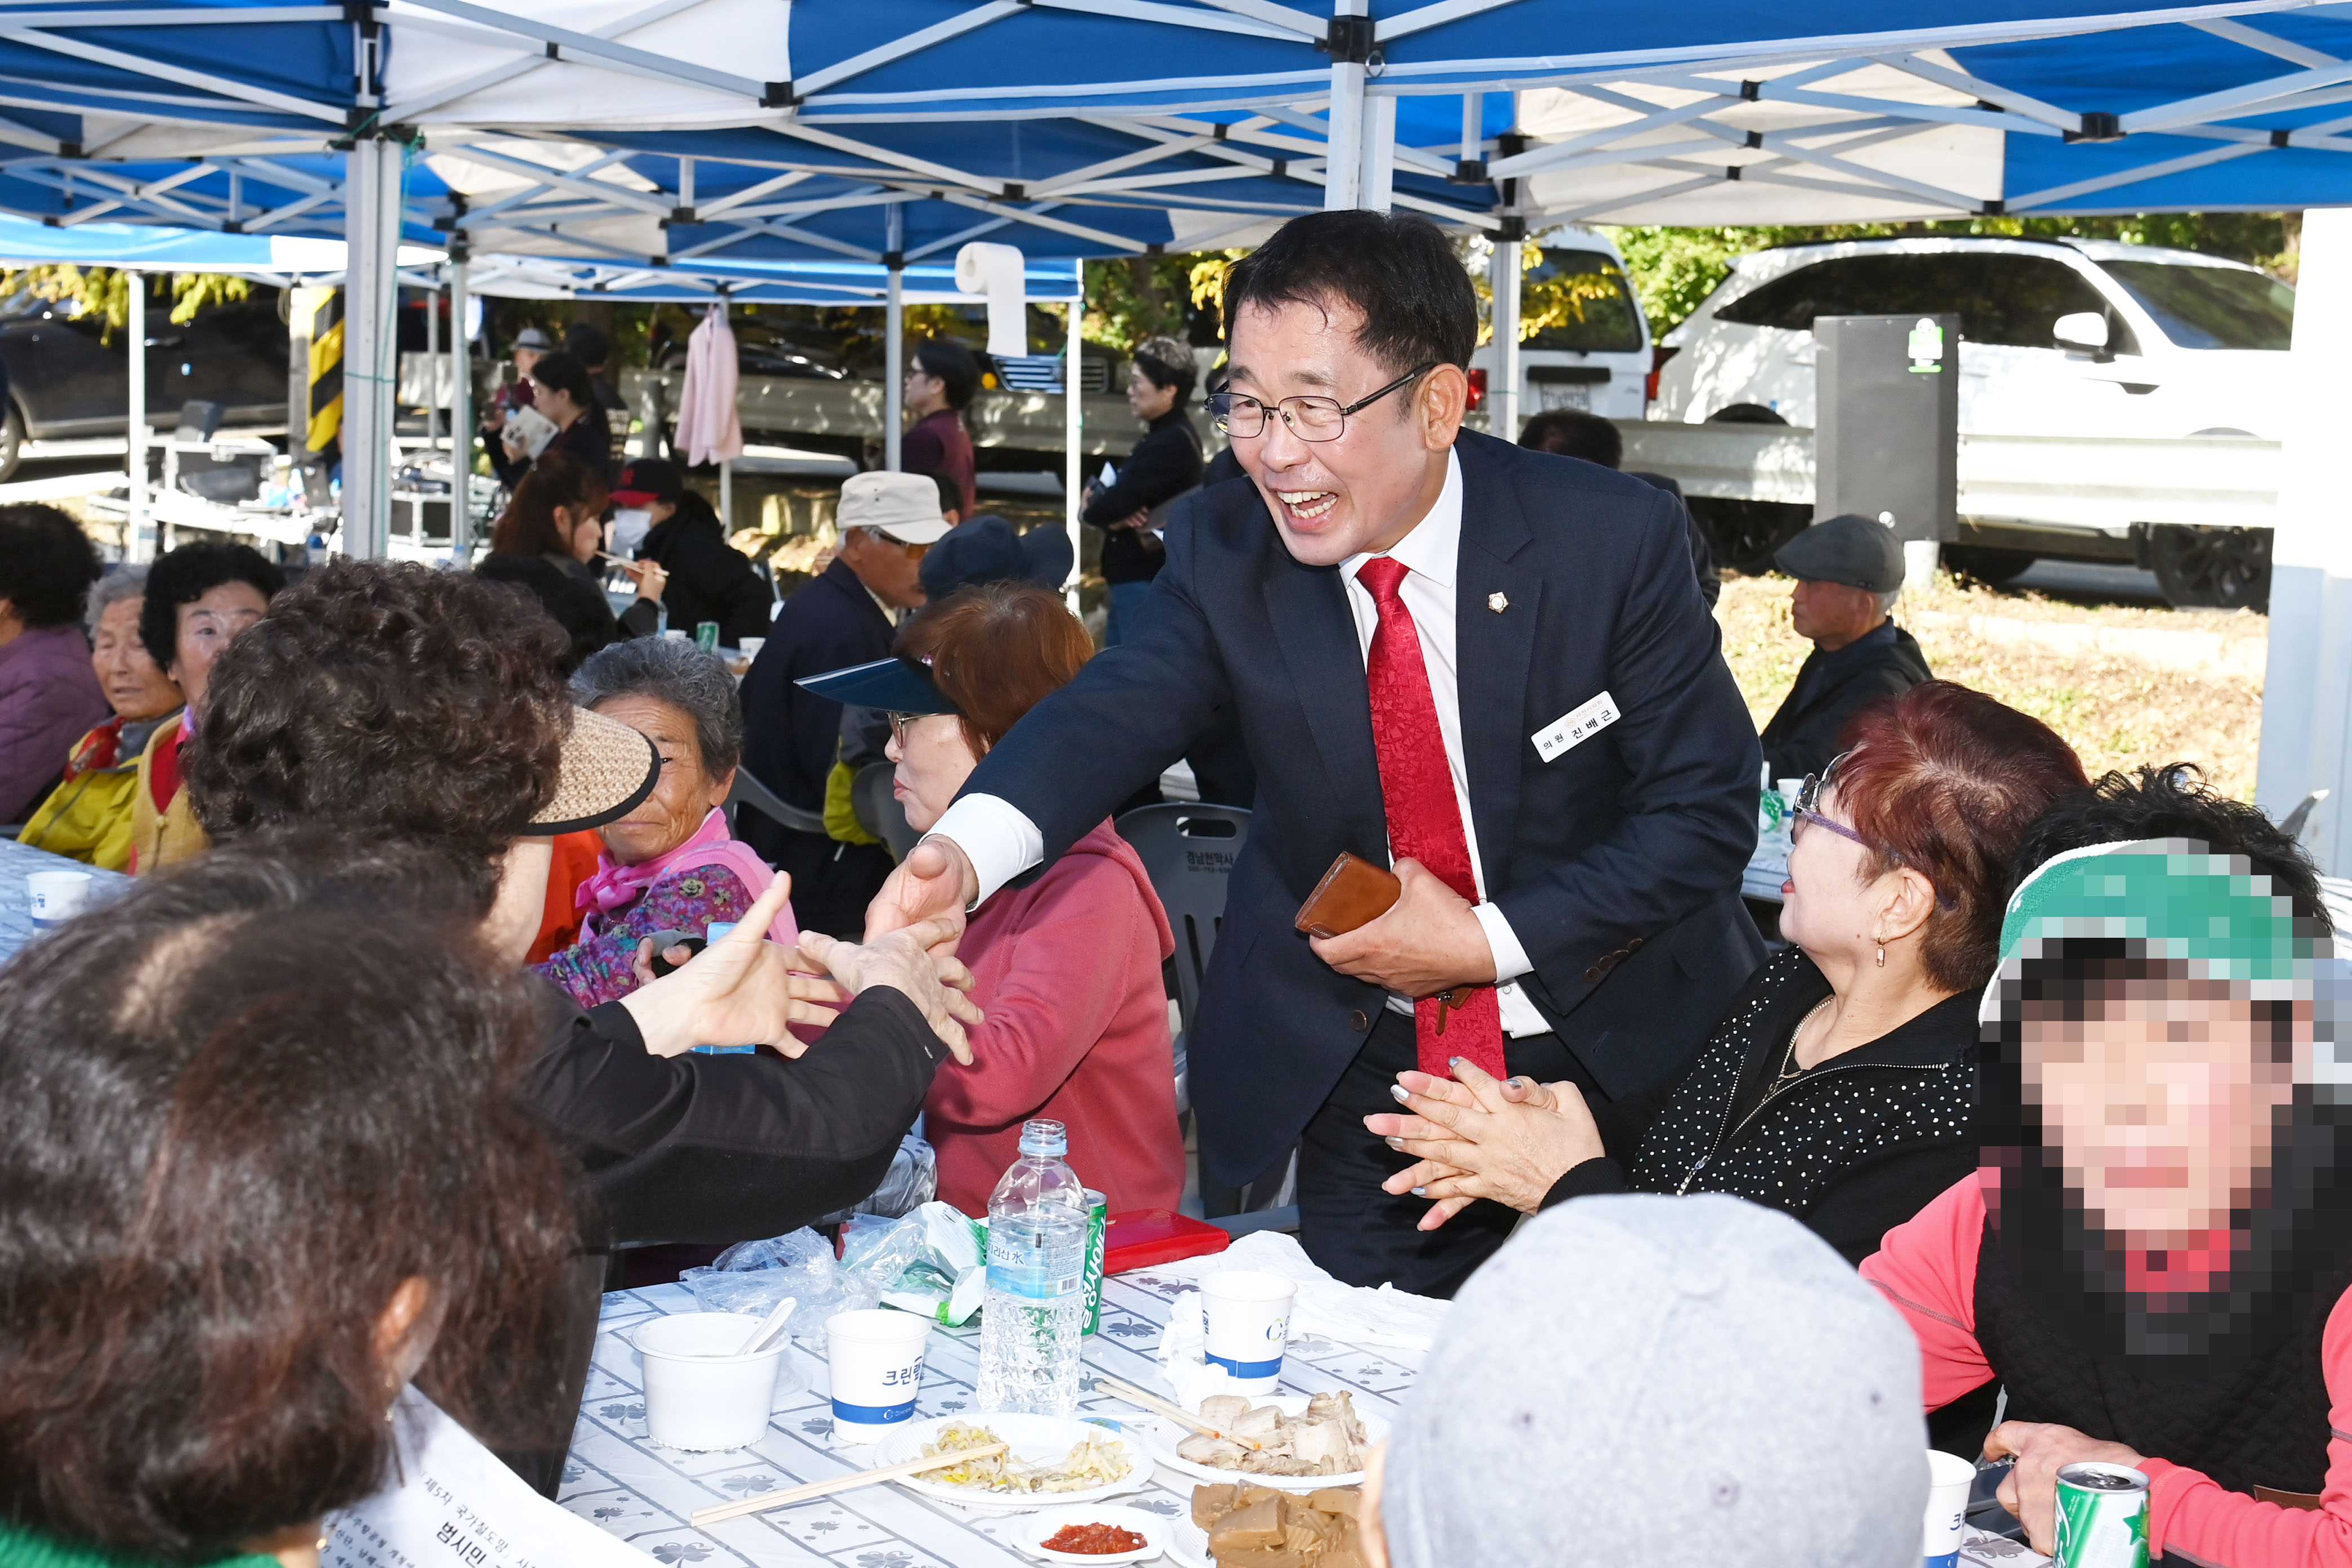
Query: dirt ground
[(2116, 709)]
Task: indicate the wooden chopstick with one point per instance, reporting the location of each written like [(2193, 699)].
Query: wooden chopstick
[(791, 1495), (1134, 1395)]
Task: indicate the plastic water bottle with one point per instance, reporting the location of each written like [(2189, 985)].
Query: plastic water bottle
[(1036, 1310)]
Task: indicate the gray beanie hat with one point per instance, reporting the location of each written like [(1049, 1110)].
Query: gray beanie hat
[(1664, 1381)]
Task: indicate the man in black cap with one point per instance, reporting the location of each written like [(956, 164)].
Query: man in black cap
[(1848, 573), (710, 579)]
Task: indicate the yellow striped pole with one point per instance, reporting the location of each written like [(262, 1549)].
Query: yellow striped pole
[(326, 409)]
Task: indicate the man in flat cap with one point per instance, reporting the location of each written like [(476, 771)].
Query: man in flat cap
[(1848, 573)]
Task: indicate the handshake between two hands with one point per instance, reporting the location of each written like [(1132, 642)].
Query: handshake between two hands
[(746, 990)]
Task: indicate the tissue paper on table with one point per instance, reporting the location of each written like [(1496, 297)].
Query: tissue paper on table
[(999, 272), (1385, 1319)]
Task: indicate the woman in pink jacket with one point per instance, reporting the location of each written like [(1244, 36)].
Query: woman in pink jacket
[(1067, 969), (2155, 1259)]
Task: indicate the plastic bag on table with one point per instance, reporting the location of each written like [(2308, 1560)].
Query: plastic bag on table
[(912, 1181), (753, 1276), (932, 1262)]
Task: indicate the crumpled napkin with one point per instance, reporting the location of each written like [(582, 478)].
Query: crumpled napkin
[(1383, 1319)]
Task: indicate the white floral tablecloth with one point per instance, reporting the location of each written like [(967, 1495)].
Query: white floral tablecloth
[(644, 1494), (16, 926)]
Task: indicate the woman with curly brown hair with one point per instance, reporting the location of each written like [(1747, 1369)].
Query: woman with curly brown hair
[(553, 528), (389, 702), (246, 1209)]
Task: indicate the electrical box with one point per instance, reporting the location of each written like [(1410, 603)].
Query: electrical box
[(1886, 436)]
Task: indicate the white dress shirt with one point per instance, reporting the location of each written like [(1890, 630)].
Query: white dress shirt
[(1002, 841)]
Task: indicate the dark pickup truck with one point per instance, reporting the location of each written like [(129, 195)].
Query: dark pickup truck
[(64, 383)]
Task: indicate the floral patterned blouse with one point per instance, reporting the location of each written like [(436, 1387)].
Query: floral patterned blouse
[(602, 965)]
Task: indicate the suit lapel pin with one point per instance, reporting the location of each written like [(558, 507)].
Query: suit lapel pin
[(1498, 602)]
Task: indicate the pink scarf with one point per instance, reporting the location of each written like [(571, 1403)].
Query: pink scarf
[(614, 886)]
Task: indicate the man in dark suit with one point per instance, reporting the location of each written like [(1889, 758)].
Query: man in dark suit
[(1486, 666), (791, 737)]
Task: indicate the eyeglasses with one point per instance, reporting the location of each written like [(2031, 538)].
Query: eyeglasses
[(1308, 418), (914, 552), (1806, 811), (901, 723)]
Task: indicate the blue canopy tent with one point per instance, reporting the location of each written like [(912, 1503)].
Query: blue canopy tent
[(1711, 112)]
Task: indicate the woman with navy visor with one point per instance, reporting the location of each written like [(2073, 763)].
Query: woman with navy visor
[(1837, 1086), (1067, 966)]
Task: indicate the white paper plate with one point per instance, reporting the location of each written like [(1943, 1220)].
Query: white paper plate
[(1188, 1544), (1161, 1435), (1039, 1439), (1039, 1528)]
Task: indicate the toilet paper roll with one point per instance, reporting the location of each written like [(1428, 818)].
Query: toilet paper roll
[(996, 271)]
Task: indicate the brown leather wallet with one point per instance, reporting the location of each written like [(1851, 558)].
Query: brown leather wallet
[(1352, 893)]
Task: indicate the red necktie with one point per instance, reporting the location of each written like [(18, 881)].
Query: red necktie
[(1425, 822)]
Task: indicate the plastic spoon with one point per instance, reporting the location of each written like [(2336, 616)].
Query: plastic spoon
[(767, 1326)]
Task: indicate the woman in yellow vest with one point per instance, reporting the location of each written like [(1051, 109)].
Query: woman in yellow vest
[(200, 598), (87, 817)]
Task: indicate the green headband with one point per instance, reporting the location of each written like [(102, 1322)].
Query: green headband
[(2185, 902)]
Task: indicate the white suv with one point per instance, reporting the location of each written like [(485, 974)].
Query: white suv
[(2058, 337), (1601, 363)]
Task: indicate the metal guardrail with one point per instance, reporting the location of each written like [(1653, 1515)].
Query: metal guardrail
[(2099, 484)]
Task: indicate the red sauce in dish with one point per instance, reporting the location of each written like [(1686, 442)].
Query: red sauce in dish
[(1094, 1539)]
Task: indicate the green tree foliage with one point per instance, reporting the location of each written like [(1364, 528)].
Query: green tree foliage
[(1673, 269), (1131, 298), (106, 291)]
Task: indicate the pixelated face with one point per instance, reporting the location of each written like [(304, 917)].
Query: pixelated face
[(2160, 1102)]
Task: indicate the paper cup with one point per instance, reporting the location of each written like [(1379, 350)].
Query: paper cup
[(875, 1363), (1246, 1315), (1949, 1477), (700, 1394), (56, 896), (1788, 789)]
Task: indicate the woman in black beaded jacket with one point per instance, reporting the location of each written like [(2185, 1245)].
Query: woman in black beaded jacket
[(1839, 1086)]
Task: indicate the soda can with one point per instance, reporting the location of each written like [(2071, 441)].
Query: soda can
[(705, 635), (1098, 1228), (2102, 1517)]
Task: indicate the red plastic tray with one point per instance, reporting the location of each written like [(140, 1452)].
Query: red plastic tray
[(1139, 1238)]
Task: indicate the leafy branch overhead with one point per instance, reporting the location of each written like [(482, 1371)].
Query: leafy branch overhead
[(105, 291)]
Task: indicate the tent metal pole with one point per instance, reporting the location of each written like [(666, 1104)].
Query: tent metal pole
[(1343, 161), (461, 411), (727, 495), (138, 544), (893, 334), (1073, 419), (2307, 737), (1474, 127), (1503, 396), (371, 224), (432, 370), (1375, 186)]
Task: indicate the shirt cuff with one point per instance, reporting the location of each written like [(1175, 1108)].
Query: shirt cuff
[(1510, 958), (1000, 842)]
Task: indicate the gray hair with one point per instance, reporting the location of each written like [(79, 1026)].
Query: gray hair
[(671, 670), (1887, 601), (122, 582)]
